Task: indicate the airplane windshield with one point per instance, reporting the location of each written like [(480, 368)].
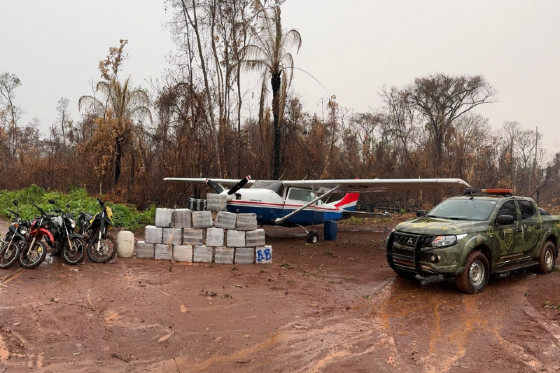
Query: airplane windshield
[(463, 209)]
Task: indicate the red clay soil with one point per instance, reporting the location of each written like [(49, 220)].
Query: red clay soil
[(328, 307)]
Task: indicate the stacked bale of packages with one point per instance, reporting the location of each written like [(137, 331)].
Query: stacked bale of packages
[(210, 236)]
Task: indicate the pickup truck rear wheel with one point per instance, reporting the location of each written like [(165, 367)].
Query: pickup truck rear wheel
[(547, 258), (475, 276)]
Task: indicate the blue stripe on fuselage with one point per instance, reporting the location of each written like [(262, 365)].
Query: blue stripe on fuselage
[(267, 215)]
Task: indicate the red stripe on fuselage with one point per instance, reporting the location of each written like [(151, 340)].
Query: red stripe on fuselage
[(277, 205)]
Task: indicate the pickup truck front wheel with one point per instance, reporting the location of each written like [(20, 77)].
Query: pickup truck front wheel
[(547, 257), (475, 276)]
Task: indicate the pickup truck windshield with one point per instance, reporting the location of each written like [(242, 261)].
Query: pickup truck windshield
[(463, 209)]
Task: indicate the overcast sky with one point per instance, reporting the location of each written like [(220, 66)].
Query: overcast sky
[(353, 47)]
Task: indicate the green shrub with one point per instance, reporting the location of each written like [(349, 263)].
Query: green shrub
[(78, 200)]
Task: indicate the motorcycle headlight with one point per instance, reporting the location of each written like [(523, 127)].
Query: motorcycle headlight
[(443, 241), (72, 223), (23, 231)]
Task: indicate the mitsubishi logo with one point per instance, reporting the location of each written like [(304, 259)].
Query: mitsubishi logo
[(410, 241)]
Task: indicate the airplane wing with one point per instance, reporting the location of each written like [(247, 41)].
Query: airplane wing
[(202, 180), (345, 185), (378, 185)]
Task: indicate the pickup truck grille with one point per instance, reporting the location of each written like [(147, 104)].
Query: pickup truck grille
[(404, 254), (408, 239)]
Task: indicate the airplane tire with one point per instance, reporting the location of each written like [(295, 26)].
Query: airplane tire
[(312, 237)]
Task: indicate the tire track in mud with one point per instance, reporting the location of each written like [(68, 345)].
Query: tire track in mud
[(449, 331)]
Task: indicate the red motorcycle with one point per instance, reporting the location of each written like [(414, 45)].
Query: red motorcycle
[(33, 254)]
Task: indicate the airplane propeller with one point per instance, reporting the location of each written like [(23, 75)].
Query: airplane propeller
[(239, 185), (219, 189)]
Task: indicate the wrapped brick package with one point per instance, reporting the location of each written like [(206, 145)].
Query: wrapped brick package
[(225, 220), (202, 219), (153, 234), (164, 217), (255, 238), (192, 236), (263, 255), (172, 236), (145, 250), (246, 222), (183, 253), (235, 238), (223, 255), (214, 237), (182, 218), (244, 255), (216, 202), (203, 254), (163, 252)]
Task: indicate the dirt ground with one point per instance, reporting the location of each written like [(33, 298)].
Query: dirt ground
[(328, 307)]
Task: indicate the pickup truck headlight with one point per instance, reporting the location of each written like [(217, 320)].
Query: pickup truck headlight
[(443, 241)]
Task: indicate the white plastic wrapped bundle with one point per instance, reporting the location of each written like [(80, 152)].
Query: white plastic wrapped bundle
[(202, 219), (182, 218), (244, 255), (183, 253), (235, 238), (216, 202), (214, 237), (153, 234), (192, 236), (163, 252), (164, 217), (246, 222), (223, 255), (225, 220), (203, 254), (172, 236), (145, 250), (255, 238)]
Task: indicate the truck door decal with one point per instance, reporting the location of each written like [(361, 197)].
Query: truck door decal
[(508, 237)]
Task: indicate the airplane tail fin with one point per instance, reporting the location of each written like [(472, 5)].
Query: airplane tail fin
[(348, 202)]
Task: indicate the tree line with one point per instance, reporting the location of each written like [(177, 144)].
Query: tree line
[(193, 122)]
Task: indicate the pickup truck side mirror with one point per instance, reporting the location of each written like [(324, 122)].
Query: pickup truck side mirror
[(505, 219), (421, 213)]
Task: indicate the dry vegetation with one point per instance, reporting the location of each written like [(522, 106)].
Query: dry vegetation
[(191, 123)]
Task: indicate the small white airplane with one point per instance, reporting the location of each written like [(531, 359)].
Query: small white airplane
[(301, 202)]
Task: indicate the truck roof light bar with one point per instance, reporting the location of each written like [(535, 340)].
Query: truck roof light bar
[(493, 191)]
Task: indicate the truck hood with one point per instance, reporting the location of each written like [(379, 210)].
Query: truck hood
[(437, 226)]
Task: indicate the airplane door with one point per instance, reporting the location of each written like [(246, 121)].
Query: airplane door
[(296, 198)]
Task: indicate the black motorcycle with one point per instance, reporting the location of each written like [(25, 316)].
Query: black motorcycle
[(14, 241), (101, 247), (65, 241)]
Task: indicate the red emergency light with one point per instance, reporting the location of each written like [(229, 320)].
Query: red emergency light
[(493, 191)]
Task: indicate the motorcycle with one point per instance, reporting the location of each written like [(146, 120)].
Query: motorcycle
[(11, 246), (64, 239), (33, 254), (101, 247)]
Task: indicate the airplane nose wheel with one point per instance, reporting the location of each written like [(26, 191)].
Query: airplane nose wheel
[(312, 237)]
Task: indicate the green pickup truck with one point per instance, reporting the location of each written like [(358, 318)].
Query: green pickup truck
[(472, 236)]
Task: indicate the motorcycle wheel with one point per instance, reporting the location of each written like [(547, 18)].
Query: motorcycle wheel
[(103, 252), (33, 256), (73, 253), (9, 253)]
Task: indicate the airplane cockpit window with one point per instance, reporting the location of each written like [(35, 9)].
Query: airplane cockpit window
[(303, 195)]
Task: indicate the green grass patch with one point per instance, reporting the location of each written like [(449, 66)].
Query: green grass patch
[(124, 217)]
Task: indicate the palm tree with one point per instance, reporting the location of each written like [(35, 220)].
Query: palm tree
[(269, 53), (121, 105)]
